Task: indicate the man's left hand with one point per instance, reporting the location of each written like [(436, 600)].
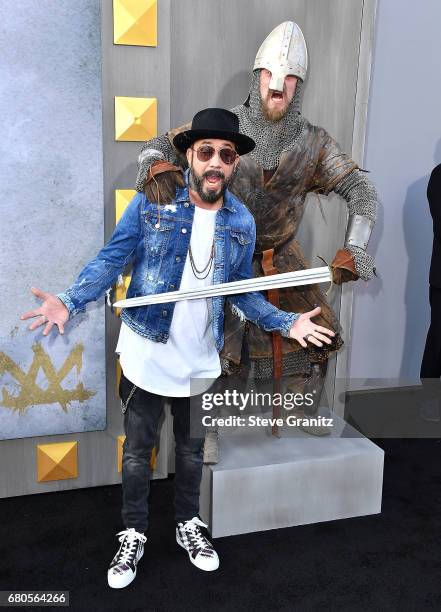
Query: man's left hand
[(304, 330)]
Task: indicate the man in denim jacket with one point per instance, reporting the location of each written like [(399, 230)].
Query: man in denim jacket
[(205, 236)]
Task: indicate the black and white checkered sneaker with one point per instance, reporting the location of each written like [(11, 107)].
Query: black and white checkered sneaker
[(122, 570), (200, 550)]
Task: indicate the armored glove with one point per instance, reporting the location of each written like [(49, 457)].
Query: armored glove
[(343, 267), (364, 263), (161, 181), (352, 263)]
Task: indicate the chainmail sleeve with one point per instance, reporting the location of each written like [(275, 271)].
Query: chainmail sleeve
[(362, 200), (337, 172), (159, 148), (333, 164), (359, 193)]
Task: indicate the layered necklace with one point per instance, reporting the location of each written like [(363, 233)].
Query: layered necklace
[(207, 266)]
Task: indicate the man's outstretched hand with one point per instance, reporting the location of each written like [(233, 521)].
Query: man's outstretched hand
[(304, 330), (51, 312)]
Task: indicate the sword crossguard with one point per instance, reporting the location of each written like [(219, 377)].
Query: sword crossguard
[(331, 283)]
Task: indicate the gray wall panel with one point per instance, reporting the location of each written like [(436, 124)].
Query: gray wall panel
[(391, 314), (211, 65), (128, 71)]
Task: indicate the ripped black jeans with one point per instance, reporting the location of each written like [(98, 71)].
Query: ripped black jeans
[(140, 426)]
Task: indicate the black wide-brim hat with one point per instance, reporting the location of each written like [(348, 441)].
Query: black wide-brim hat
[(214, 123)]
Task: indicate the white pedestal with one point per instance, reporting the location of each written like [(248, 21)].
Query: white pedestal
[(267, 483)]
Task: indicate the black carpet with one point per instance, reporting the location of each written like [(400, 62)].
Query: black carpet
[(390, 561)]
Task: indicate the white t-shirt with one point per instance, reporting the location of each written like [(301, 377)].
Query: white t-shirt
[(190, 351)]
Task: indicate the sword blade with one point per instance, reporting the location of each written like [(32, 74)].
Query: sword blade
[(263, 283)]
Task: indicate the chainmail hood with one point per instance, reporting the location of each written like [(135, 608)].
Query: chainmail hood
[(272, 137)]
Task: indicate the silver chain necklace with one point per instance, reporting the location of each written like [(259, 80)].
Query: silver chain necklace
[(208, 265)]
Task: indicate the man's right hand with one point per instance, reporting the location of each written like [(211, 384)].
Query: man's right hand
[(51, 312), (161, 182)]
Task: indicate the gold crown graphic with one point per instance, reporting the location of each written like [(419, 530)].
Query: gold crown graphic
[(30, 393)]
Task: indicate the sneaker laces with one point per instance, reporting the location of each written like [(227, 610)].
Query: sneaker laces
[(195, 535), (129, 538)]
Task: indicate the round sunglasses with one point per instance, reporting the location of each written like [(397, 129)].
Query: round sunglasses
[(206, 152)]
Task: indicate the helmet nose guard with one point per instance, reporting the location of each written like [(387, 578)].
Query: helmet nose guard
[(277, 81)]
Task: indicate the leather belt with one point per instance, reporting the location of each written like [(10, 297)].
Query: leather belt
[(274, 298)]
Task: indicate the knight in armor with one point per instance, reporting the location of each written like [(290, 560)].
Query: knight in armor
[(292, 158)]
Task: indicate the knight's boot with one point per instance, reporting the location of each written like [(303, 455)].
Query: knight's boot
[(314, 385), (211, 447)]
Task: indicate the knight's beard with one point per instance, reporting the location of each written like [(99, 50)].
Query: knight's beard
[(273, 114), (211, 196)]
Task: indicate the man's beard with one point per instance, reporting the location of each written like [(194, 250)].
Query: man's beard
[(212, 195), (273, 114)]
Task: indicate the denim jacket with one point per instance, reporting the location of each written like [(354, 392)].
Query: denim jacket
[(158, 249)]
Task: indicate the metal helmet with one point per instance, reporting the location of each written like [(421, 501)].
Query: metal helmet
[(283, 52)]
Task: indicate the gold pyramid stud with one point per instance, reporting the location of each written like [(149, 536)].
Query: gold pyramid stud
[(135, 22), (119, 451), (135, 118), (153, 460), (123, 197), (57, 461), (118, 376), (120, 292)]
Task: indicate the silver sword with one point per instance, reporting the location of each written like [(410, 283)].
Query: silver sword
[(262, 283)]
